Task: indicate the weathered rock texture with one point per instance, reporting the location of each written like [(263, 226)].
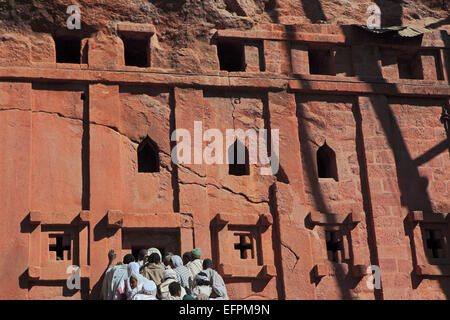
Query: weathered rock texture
[(364, 158)]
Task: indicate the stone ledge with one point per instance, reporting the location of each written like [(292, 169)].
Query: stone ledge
[(59, 218), (135, 28), (262, 220), (331, 34), (319, 218), (432, 270), (259, 81), (55, 271), (117, 219), (420, 216), (320, 270), (246, 271)]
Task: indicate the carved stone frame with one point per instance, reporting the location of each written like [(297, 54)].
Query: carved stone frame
[(229, 266)]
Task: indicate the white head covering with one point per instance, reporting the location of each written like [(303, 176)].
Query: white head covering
[(153, 250), (133, 271), (148, 287), (144, 287), (200, 277), (177, 261), (133, 267), (169, 274), (218, 285)]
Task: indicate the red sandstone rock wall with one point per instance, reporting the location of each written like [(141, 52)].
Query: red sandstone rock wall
[(70, 134)]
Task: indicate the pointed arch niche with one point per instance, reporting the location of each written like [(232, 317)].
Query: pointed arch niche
[(237, 165), (148, 156), (326, 163)]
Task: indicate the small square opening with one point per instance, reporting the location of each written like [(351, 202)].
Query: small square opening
[(245, 245), (436, 244), (231, 56), (321, 62), (410, 67), (136, 50), (68, 49), (59, 247)]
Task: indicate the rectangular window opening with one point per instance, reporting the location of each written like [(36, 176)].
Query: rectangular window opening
[(410, 66), (231, 56), (321, 62), (136, 50), (68, 49)]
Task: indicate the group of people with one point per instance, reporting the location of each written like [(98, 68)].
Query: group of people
[(153, 277)]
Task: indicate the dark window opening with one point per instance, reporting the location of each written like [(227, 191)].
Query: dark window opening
[(326, 163), (410, 67), (68, 49), (135, 251), (238, 159), (61, 245), (270, 5), (435, 243), (245, 246), (334, 246), (137, 51), (148, 156), (321, 62), (231, 56)]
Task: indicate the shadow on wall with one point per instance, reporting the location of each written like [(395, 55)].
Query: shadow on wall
[(345, 282), (413, 187), (313, 10), (391, 12)]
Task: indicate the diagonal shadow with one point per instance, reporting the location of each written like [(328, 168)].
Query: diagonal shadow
[(345, 282), (313, 10), (438, 24), (391, 12), (413, 187)]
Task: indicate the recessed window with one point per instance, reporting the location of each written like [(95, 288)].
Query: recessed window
[(60, 245), (136, 50), (321, 62), (435, 243), (68, 49), (245, 245), (231, 56), (410, 67), (238, 159), (334, 246), (326, 163), (148, 156)]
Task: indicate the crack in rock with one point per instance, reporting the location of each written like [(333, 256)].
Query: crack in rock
[(293, 252)]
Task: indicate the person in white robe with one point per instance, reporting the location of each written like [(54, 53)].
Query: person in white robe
[(114, 275), (196, 265), (219, 290), (202, 285), (169, 276)]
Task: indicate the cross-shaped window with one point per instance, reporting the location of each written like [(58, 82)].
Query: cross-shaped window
[(334, 246), (60, 246), (245, 244), (435, 243)]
